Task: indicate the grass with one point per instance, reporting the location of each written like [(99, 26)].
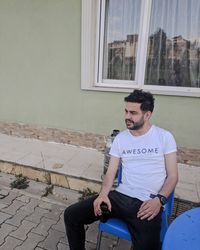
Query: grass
[(20, 182)]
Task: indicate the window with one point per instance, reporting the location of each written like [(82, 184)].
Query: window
[(148, 44)]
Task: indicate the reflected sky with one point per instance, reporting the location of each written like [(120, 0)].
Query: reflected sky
[(123, 18), (175, 17)]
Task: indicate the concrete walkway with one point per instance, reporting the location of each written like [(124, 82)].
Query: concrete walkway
[(61, 160)]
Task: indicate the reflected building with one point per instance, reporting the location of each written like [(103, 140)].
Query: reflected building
[(171, 62)]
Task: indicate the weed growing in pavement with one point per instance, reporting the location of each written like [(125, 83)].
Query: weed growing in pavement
[(20, 182), (48, 190), (86, 193)]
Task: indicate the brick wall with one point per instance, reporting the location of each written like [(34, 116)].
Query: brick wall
[(52, 134)]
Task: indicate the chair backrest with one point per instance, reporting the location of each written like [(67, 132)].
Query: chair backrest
[(165, 216), (119, 175), (170, 204)]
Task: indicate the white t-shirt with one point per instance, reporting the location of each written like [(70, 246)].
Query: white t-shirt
[(143, 163)]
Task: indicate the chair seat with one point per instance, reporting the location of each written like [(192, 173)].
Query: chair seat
[(117, 228)]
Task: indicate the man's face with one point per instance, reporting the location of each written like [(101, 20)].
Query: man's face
[(134, 116)]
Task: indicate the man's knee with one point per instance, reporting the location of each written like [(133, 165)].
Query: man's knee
[(69, 215)]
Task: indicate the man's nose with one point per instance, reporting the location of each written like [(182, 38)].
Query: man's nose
[(127, 115)]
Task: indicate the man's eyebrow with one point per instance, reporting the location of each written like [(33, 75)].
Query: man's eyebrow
[(131, 111)]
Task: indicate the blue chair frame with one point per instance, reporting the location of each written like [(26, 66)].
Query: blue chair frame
[(119, 229)]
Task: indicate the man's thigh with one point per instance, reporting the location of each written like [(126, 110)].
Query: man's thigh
[(145, 234), (123, 206), (81, 212)]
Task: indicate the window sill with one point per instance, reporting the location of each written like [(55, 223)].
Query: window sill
[(169, 91)]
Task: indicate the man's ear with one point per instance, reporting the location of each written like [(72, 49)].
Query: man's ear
[(147, 115)]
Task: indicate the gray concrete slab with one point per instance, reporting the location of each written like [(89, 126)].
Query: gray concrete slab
[(57, 157)]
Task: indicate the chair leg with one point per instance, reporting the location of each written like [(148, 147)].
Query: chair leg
[(99, 240)]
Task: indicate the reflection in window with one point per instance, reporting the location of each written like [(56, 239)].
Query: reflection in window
[(120, 39), (173, 56)]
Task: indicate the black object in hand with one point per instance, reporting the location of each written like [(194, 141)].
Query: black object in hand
[(104, 212)]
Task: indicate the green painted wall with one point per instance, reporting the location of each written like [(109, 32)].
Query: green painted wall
[(40, 76)]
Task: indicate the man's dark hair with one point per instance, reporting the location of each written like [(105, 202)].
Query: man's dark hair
[(145, 98)]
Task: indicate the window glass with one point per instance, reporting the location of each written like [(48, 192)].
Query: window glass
[(173, 56), (121, 32)]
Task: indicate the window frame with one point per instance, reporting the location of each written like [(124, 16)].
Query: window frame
[(91, 54)]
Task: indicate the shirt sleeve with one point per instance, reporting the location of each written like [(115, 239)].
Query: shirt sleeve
[(169, 144), (114, 150)]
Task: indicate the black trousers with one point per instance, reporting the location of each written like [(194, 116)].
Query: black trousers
[(145, 234)]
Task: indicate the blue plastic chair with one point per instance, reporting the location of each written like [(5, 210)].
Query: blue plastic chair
[(119, 229), (184, 232)]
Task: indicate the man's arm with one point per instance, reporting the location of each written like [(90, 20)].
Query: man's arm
[(172, 175), (150, 208), (107, 185)]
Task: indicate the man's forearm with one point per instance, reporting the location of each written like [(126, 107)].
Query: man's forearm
[(109, 176), (106, 186), (172, 174), (169, 186)]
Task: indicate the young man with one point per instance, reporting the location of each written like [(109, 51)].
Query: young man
[(149, 174)]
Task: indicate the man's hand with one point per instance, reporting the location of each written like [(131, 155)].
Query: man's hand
[(149, 209), (97, 203)]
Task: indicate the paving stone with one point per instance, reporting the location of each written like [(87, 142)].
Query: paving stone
[(4, 217), (39, 224), (37, 215), (36, 188), (59, 226), (52, 240), (6, 179), (33, 203), (17, 219), (3, 205), (92, 232), (123, 244), (64, 240), (10, 243), (14, 206), (3, 193), (23, 230), (9, 199), (23, 198), (31, 242), (107, 243), (43, 227), (90, 246), (46, 205), (5, 229), (62, 246), (54, 213), (71, 196)]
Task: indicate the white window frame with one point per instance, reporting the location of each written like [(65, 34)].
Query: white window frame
[(91, 59)]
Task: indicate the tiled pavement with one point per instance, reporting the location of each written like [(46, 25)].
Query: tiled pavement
[(29, 221)]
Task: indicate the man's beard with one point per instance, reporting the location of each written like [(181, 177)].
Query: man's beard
[(136, 125)]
